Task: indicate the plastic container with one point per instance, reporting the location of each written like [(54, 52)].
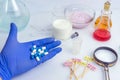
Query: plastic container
[(62, 29)]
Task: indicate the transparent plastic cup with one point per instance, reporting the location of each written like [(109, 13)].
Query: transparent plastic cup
[(76, 45)]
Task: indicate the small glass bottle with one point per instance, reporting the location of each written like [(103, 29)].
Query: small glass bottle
[(13, 11), (103, 24)]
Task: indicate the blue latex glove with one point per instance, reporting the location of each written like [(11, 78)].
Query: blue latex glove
[(15, 56)]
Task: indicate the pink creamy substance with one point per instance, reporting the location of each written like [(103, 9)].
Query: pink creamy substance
[(80, 19)]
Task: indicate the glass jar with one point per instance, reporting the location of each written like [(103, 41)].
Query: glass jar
[(13, 11), (103, 24)]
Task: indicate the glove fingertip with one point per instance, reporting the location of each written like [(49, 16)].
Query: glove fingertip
[(58, 42), (13, 27), (59, 49), (55, 51), (50, 39)]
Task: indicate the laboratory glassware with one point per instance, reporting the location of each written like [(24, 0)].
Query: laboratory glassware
[(13, 11)]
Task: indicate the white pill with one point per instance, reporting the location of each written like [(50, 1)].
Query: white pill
[(39, 50), (37, 58), (46, 53), (34, 46), (42, 51), (34, 51), (43, 48)]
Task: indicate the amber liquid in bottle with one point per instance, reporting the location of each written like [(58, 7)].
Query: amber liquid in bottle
[(102, 22)]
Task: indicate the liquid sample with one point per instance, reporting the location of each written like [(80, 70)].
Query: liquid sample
[(102, 34), (80, 19), (102, 22)]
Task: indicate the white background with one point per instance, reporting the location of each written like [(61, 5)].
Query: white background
[(40, 11)]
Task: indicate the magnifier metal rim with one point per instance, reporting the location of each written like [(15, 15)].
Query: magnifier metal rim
[(103, 63)]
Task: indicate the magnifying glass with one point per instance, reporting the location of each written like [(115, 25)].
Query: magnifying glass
[(106, 57)]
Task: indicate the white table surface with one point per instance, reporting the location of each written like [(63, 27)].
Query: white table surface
[(39, 27)]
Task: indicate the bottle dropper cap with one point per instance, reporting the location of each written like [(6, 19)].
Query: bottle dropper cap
[(107, 5), (76, 34)]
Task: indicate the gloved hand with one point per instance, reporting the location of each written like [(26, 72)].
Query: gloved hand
[(15, 56)]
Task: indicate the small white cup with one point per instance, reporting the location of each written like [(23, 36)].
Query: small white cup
[(62, 29)]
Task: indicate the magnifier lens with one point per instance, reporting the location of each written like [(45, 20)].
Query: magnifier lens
[(105, 55)]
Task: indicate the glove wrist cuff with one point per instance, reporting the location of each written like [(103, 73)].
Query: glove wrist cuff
[(3, 75), (4, 72)]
